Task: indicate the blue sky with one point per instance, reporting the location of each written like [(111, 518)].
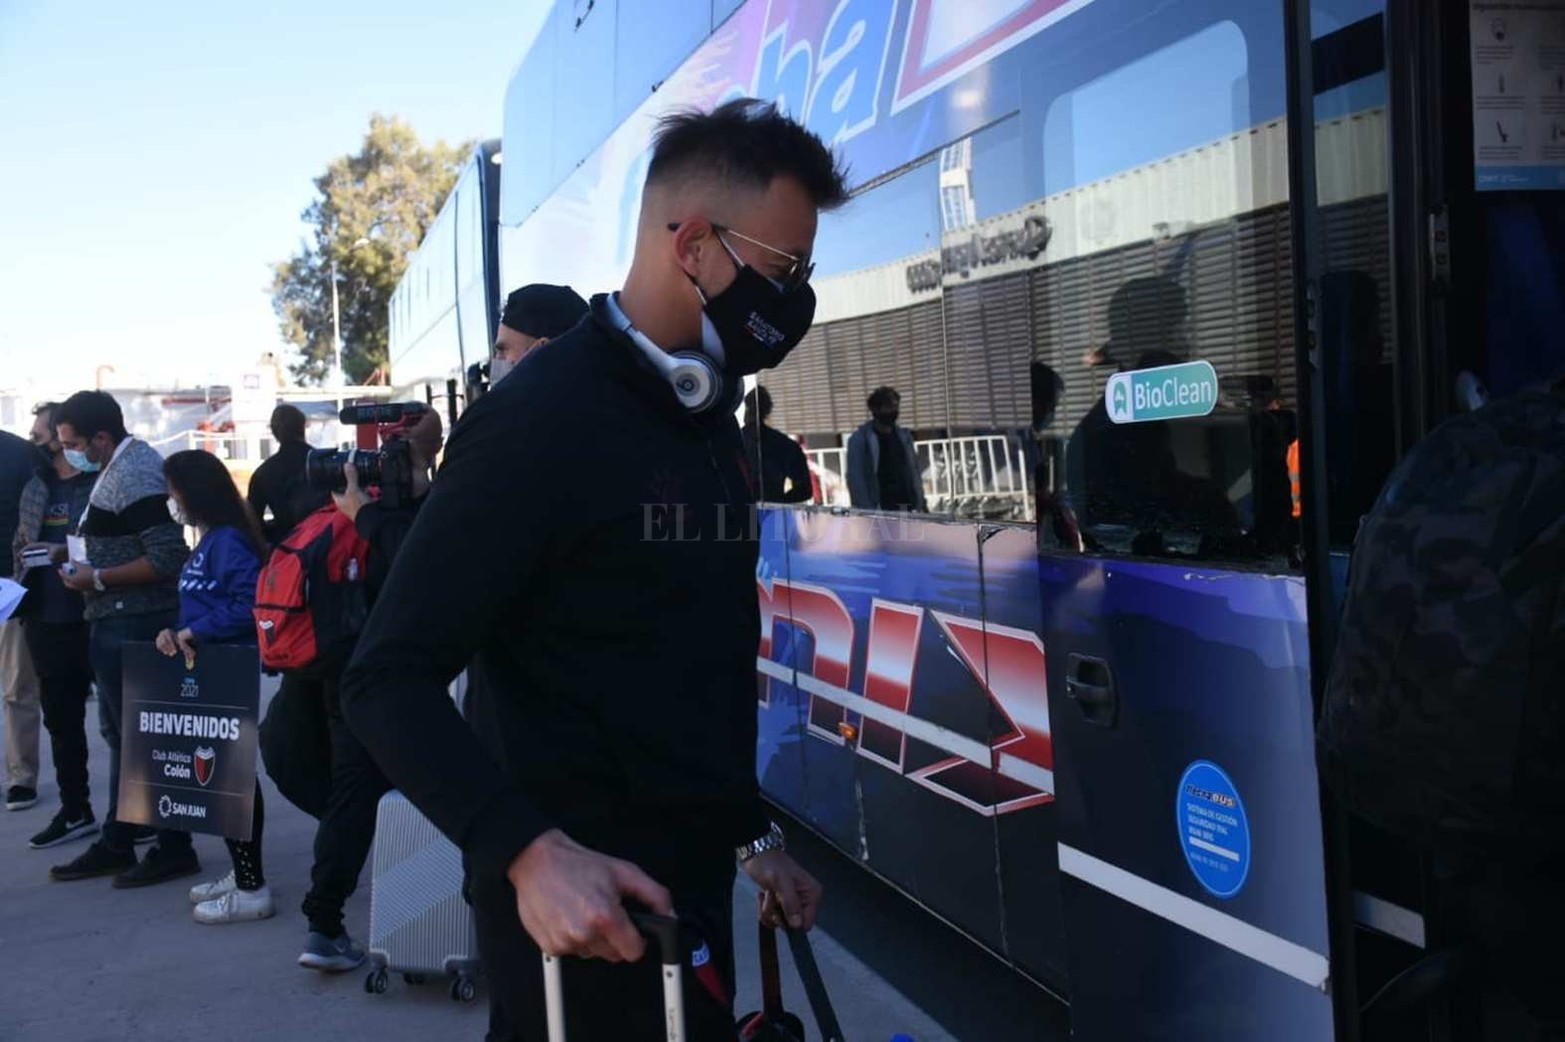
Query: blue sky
[(155, 157)]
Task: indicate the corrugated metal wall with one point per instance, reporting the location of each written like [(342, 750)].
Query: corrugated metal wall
[(1232, 279)]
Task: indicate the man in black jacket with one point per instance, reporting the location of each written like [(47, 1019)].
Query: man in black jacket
[(347, 823), (278, 484), (533, 315), (611, 601), (782, 468)]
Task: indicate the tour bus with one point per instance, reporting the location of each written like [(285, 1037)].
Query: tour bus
[(1165, 289), (445, 310)]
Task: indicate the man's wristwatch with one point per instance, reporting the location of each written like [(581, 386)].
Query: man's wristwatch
[(773, 840), (97, 580)]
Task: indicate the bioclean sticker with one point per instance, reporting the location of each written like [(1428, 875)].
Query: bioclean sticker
[(1169, 392)]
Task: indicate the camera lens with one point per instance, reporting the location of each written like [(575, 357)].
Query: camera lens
[(368, 466), (323, 469)]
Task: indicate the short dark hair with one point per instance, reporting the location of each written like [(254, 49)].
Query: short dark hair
[(758, 402), (747, 142), (90, 413), (287, 423), (882, 394), (50, 408)]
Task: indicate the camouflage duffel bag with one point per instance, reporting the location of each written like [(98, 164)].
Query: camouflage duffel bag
[(1444, 713)]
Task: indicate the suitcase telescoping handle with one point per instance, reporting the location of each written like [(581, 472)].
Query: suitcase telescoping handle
[(663, 931)]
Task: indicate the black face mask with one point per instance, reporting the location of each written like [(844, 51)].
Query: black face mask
[(756, 322), (887, 417)]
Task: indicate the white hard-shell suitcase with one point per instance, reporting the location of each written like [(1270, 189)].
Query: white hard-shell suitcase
[(420, 924)]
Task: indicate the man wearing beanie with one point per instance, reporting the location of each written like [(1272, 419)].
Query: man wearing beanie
[(533, 314)]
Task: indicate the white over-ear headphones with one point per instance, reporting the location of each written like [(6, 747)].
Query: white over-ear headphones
[(697, 381)]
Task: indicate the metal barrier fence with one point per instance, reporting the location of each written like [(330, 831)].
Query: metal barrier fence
[(981, 476), (225, 445), (975, 477)]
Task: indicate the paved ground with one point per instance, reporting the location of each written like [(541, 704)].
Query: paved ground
[(82, 962)]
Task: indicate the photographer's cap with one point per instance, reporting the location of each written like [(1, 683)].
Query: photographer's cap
[(543, 311)]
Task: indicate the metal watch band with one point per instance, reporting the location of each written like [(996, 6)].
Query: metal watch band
[(773, 840), (97, 580)]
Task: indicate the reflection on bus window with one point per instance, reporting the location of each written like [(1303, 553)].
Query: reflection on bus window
[(1168, 244), (1107, 225), (1359, 418), (884, 472), (877, 323), (777, 462), (1353, 224)]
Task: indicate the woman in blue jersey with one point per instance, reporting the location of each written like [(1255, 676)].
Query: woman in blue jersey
[(216, 598)]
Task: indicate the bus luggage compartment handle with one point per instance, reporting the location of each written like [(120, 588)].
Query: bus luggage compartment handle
[(1090, 684)]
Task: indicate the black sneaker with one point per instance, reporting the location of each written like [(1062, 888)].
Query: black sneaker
[(20, 797), (159, 866), (64, 828), (100, 859), (141, 835)]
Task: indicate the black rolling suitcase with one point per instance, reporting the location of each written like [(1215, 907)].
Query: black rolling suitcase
[(771, 1023)]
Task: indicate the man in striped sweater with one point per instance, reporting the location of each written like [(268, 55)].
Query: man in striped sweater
[(129, 579)]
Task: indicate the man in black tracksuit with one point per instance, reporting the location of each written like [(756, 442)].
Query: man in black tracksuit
[(591, 540), (278, 485), (347, 822)]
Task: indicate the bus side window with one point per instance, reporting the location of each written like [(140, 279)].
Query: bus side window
[(877, 324), (1140, 272)]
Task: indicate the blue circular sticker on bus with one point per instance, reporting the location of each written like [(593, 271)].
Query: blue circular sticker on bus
[(1213, 830)]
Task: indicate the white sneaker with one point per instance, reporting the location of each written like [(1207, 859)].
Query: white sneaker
[(237, 906), (202, 892)]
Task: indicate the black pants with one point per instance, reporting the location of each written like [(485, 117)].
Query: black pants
[(63, 663), (604, 1002), (347, 828), (107, 642), (246, 853), (295, 742)]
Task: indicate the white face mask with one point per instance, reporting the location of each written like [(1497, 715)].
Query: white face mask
[(177, 512), (499, 369)]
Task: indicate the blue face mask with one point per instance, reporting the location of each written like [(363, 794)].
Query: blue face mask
[(78, 459)]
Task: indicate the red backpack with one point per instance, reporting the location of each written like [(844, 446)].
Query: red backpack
[(311, 601)]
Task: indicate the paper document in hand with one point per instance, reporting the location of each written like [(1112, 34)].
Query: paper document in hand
[(11, 594)]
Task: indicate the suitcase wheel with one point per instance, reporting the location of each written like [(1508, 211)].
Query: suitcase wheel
[(463, 989), (375, 982)]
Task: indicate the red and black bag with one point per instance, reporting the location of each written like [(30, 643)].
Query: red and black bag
[(311, 601)]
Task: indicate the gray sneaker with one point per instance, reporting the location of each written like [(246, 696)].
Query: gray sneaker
[(331, 954)]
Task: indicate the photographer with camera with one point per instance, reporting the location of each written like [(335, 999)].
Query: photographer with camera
[(400, 474)]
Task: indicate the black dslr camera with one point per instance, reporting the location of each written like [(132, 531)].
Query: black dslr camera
[(390, 467)]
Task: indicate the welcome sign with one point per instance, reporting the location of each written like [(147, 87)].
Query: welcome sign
[(188, 741)]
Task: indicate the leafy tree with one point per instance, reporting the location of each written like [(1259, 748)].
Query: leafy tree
[(372, 212)]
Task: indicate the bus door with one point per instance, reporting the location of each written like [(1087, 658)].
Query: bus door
[(1192, 865), (1439, 288)]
